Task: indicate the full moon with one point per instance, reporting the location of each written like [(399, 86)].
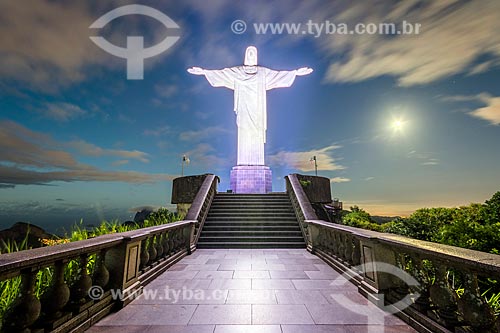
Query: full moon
[(397, 125)]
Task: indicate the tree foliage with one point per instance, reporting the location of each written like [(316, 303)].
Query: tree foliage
[(476, 226)]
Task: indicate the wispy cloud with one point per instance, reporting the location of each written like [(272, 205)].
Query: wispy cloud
[(301, 160), (62, 112), (166, 90), (32, 158), (340, 180), (424, 158), (490, 112), (453, 35), (202, 134), (90, 149), (204, 155), (20, 176), (45, 45), (120, 162), (160, 131)]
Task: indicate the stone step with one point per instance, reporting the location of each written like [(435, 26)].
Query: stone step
[(282, 203), (251, 208), (250, 245), (247, 205), (230, 227), (222, 194), (251, 197), (251, 221), (261, 214), (251, 239), (256, 233)]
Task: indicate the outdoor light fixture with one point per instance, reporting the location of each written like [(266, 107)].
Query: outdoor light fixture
[(313, 159), (185, 160)]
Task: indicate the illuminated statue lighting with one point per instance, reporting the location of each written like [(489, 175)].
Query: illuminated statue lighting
[(250, 83)]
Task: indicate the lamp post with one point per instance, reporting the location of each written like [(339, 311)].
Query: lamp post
[(313, 159), (185, 160)]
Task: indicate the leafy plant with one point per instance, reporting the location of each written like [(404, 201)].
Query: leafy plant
[(305, 183)]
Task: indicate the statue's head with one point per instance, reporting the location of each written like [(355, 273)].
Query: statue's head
[(251, 56)]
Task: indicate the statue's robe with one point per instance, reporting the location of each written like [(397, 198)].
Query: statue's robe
[(250, 84)]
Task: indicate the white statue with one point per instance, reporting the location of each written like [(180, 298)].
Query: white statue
[(250, 83)]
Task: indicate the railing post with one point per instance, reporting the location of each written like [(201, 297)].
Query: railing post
[(123, 262), (377, 281), (313, 239), (188, 235)]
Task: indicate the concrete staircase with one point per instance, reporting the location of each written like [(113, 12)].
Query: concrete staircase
[(251, 221)]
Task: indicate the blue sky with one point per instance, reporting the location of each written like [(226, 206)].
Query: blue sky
[(79, 140)]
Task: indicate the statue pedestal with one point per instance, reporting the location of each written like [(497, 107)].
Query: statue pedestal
[(251, 179)]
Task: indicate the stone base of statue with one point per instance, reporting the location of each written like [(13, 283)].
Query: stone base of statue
[(251, 179)]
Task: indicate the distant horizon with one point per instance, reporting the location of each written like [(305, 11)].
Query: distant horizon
[(59, 224)]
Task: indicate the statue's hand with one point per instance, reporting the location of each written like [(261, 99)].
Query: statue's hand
[(196, 71), (304, 71)]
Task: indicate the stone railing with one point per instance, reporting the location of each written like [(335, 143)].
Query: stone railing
[(435, 267), (439, 272), (122, 263), (301, 205), (201, 205)]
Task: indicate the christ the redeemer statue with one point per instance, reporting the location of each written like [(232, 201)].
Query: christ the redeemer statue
[(250, 83)]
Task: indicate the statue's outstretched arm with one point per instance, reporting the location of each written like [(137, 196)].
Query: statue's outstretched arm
[(304, 71), (196, 71)]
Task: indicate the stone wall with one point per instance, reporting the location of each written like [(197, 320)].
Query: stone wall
[(184, 189), (316, 188)]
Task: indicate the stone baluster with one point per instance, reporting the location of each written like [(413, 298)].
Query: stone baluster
[(321, 239), (166, 248), (159, 246), (400, 289), (26, 309), (356, 252), (144, 253), (422, 303), (58, 294), (474, 309), (349, 249), (443, 297), (340, 244), (152, 249), (79, 290), (331, 243), (171, 236), (101, 273), (177, 239)]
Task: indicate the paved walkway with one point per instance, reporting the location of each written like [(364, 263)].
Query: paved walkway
[(233, 291)]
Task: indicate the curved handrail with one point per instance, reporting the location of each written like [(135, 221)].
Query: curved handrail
[(301, 205), (201, 205), (12, 263)]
